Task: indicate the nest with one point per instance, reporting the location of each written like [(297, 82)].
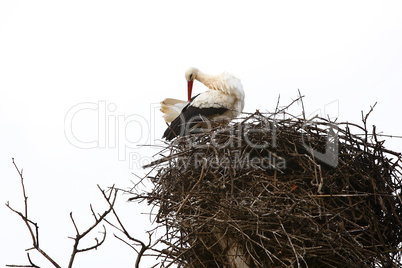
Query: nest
[(289, 192)]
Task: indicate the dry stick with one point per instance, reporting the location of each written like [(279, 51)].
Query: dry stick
[(195, 185), (364, 119), (30, 261), (165, 159), (277, 104), (340, 195), (126, 233), (285, 108), (24, 217), (319, 184), (98, 220)]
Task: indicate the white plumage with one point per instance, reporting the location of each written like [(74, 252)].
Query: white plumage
[(224, 99), (172, 108)]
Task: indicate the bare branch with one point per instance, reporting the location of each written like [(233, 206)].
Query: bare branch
[(34, 229), (97, 241), (30, 265), (111, 201), (30, 261), (29, 223), (122, 229), (75, 226)]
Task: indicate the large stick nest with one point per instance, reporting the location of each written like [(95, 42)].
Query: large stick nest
[(279, 192)]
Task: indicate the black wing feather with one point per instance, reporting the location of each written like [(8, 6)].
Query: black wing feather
[(189, 117)]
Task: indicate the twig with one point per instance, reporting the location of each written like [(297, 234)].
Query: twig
[(122, 229), (195, 185), (111, 199), (28, 222)]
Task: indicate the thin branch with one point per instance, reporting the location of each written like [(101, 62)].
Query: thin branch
[(195, 185), (30, 265), (29, 223), (122, 229), (111, 201), (97, 241), (75, 226)]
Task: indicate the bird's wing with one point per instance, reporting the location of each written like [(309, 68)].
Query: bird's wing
[(191, 116)]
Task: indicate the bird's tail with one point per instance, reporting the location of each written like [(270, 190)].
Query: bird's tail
[(171, 108)]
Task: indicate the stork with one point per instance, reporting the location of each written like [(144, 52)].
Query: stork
[(224, 100)]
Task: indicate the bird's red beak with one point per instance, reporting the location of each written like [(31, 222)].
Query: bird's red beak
[(189, 89)]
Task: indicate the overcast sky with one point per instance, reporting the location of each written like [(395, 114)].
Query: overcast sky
[(80, 82)]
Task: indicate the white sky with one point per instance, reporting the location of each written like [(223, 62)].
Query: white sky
[(124, 57)]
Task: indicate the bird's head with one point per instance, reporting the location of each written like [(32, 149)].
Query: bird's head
[(190, 75)]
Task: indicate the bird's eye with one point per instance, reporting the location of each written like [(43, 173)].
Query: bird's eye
[(191, 76)]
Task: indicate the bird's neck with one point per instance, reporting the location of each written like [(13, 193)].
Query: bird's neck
[(207, 80)]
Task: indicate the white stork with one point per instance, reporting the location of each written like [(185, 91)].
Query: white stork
[(224, 100)]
